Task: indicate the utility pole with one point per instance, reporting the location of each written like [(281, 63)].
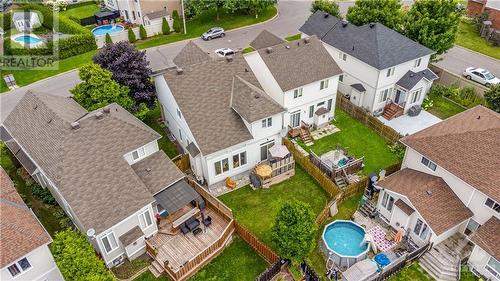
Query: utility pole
[(183, 17)]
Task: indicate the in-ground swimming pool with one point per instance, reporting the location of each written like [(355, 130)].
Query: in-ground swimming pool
[(344, 242), (108, 28)]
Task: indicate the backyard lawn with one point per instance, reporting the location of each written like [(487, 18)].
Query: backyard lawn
[(411, 272), (359, 140), (257, 209), (444, 108), (468, 37), (81, 11)]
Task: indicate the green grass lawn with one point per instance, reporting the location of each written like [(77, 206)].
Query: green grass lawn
[(358, 140), (412, 272), (257, 209), (164, 143), (293, 37), (45, 213), (81, 11), (468, 37), (444, 108), (148, 276), (195, 28)]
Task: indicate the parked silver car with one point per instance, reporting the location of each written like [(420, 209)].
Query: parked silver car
[(214, 32), (481, 76)]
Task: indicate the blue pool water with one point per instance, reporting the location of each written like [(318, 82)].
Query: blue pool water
[(28, 39), (344, 238), (109, 28)]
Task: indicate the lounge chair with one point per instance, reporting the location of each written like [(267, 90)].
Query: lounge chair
[(207, 221), (192, 223)]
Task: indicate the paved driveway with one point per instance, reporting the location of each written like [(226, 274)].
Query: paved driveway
[(457, 59)]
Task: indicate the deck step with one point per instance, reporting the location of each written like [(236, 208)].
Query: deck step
[(432, 272), (154, 271)]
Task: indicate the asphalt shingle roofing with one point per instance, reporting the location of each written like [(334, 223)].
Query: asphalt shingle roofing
[(374, 44), (487, 237), (265, 39), (410, 79), (86, 164)]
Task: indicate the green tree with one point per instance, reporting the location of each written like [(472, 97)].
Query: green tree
[(294, 230), (327, 6), (433, 23), (76, 258), (131, 36), (108, 39), (177, 21), (165, 28), (492, 96), (386, 12), (251, 7), (98, 89), (201, 6), (142, 32)]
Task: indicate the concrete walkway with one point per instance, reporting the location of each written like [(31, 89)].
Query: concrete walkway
[(407, 125)]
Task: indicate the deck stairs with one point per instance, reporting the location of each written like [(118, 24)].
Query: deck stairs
[(305, 135), (443, 260), (341, 182), (367, 209), (156, 269), (392, 110)]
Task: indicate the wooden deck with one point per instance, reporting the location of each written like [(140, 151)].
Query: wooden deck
[(176, 250)]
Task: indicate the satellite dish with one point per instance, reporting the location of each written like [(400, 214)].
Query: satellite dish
[(374, 178), (91, 233)]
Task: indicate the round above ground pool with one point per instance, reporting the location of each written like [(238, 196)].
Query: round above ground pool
[(27, 40), (108, 28), (343, 242)]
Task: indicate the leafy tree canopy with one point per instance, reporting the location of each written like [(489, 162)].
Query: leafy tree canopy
[(252, 7), (492, 96), (433, 23), (98, 89), (76, 258), (386, 12), (294, 230), (328, 6)]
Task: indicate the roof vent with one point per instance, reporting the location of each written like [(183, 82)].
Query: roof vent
[(353, 47), (256, 96), (179, 70), (344, 23), (412, 74), (429, 192), (307, 40), (50, 121), (148, 170), (246, 70), (478, 117), (229, 58), (269, 50), (287, 47), (298, 43), (326, 15), (35, 106), (99, 115), (372, 25), (75, 125), (106, 110)]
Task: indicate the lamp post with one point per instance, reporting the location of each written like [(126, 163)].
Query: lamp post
[(183, 17)]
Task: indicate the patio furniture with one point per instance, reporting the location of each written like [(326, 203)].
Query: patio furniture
[(279, 151), (185, 217), (192, 223), (10, 81), (230, 183), (184, 229), (207, 221), (197, 231), (263, 171)]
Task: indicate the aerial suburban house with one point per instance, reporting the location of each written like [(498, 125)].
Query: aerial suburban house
[(24, 241), (145, 12), (447, 190), (105, 170), (384, 71), (228, 113), (491, 7)]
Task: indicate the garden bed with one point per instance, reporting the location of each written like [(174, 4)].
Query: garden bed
[(129, 268)]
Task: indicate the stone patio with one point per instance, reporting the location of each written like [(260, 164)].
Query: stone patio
[(220, 188), (324, 131), (407, 125)]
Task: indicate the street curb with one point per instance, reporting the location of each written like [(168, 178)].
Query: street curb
[(41, 80), (481, 54)]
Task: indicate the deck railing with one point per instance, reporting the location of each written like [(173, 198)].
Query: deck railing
[(218, 206), (254, 242)]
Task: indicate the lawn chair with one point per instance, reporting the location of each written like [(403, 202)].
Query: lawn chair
[(10, 81)]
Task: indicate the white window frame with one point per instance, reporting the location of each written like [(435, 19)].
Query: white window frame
[(143, 222), (141, 152), (490, 269), (423, 228), (343, 56), (267, 122), (297, 93), (386, 200), (323, 84), (221, 165), (418, 62), (390, 71), (384, 95), (428, 163), (268, 145), (341, 78), (415, 95), (179, 114), (107, 236), (311, 111), (19, 268), (495, 206), (238, 155)]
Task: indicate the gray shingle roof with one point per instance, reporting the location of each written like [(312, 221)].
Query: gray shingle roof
[(190, 54), (157, 171), (193, 149), (251, 103), (131, 236), (410, 79), (157, 14), (359, 87), (297, 63), (265, 39), (203, 93), (376, 45), (86, 164), (320, 111)]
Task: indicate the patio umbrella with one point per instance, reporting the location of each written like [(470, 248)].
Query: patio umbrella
[(278, 151), (264, 171)]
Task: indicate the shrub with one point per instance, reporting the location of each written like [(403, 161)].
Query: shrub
[(142, 32), (131, 36), (75, 19), (108, 39), (177, 21), (427, 103), (466, 97), (327, 6), (43, 194), (6, 20), (165, 28), (75, 45), (493, 97)]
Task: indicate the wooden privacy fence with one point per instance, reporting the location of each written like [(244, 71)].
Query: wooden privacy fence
[(452, 79), (258, 246), (271, 271), (182, 162), (371, 122)]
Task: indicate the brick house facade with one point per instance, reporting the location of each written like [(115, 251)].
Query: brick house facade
[(492, 7)]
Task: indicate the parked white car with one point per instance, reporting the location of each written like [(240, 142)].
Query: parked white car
[(224, 52), (481, 76)]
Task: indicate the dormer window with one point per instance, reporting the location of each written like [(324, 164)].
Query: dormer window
[(297, 93), (390, 72), (323, 84), (139, 153), (417, 62), (268, 122)]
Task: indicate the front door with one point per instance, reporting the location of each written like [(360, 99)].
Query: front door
[(295, 119), (400, 97)]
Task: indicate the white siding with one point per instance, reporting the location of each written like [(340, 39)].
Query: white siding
[(264, 76), (43, 267), (478, 259), (149, 149)]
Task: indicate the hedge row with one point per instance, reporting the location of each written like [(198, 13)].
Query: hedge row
[(66, 25), (6, 20)]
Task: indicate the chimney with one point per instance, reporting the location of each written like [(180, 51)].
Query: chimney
[(344, 23), (326, 15), (179, 71), (106, 110), (287, 47), (99, 115), (229, 58), (307, 40), (269, 50), (75, 125), (372, 25)]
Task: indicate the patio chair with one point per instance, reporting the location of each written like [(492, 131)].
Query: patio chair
[(184, 229), (10, 81), (197, 231), (192, 223), (207, 221)]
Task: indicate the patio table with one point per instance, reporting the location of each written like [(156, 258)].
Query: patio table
[(185, 217)]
